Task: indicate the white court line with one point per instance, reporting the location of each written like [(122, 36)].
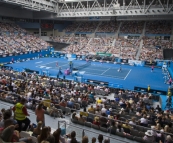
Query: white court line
[(105, 71), (38, 62), (127, 74), (117, 77), (45, 64)]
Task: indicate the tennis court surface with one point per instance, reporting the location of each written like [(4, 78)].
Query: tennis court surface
[(89, 68), (129, 77)]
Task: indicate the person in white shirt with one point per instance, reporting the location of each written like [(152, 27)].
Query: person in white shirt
[(103, 110), (144, 121)]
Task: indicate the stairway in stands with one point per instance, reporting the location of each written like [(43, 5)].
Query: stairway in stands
[(141, 42), (97, 27), (117, 33)]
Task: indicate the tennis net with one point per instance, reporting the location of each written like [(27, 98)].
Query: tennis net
[(83, 66)]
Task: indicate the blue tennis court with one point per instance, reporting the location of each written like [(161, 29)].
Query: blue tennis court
[(90, 69), (129, 77)]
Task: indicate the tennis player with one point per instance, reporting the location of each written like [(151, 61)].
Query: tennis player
[(170, 81), (101, 61), (152, 68)]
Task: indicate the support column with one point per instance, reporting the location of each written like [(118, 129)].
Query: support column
[(40, 28)]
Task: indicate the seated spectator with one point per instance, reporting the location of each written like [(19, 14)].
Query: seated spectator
[(107, 140), (119, 128), (45, 133), (63, 103), (96, 121), (144, 121), (81, 119), (15, 134), (72, 137), (92, 96), (112, 128), (108, 112), (126, 127), (149, 136), (7, 133), (99, 101), (37, 130), (100, 138), (91, 109), (58, 137), (74, 116), (93, 140), (85, 139), (70, 104), (168, 139), (103, 110), (132, 122)]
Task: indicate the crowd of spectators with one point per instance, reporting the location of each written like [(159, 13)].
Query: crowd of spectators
[(72, 27), (158, 27), (130, 115), (153, 48), (14, 40), (87, 27), (125, 48), (61, 39), (11, 27), (48, 94), (108, 26), (132, 27)]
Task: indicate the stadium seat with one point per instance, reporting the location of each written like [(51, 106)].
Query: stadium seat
[(88, 124), (95, 127), (103, 129)]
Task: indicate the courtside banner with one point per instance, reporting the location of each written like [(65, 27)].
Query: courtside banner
[(150, 63), (124, 60), (136, 62)]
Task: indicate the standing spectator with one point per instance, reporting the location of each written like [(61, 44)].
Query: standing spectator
[(39, 112), (20, 113), (148, 88)]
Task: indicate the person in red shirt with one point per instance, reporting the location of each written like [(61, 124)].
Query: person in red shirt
[(39, 112)]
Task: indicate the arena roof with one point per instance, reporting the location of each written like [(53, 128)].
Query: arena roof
[(96, 8)]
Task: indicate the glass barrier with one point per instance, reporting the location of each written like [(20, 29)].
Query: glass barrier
[(90, 133)]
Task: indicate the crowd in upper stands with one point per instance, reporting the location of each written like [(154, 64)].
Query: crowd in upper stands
[(123, 47), (153, 48), (15, 40), (108, 26), (158, 27), (132, 27)]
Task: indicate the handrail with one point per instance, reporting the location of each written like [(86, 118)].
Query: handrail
[(97, 133)]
